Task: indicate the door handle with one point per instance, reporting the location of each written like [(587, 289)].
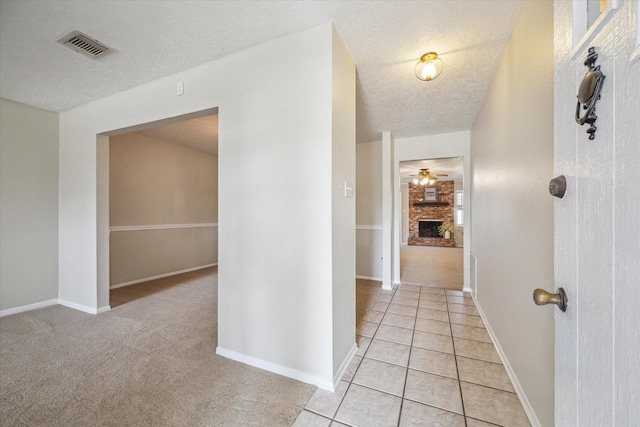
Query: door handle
[(542, 297)]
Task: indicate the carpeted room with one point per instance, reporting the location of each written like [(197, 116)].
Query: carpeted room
[(149, 361)]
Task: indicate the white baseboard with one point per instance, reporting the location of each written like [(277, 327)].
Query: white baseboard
[(28, 307), (533, 419), (375, 279), (344, 366), (466, 290), (56, 301), (104, 309), (79, 307), (85, 308), (323, 383), (160, 276)]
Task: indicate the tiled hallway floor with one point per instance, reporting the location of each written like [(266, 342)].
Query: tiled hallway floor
[(424, 359)]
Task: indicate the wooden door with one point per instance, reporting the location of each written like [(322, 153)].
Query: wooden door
[(597, 223)]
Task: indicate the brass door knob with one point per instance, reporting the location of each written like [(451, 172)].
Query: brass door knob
[(542, 297)]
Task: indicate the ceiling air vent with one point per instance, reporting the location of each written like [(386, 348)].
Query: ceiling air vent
[(84, 44)]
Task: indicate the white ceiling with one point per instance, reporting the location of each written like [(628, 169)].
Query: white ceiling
[(153, 39), (200, 133)]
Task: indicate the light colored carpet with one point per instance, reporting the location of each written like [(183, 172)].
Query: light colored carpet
[(150, 361), (432, 266)]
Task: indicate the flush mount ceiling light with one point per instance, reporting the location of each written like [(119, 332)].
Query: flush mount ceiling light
[(429, 67)]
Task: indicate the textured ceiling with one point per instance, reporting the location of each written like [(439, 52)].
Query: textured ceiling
[(200, 134), (153, 39)]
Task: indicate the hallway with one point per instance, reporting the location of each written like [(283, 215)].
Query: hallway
[(424, 359)]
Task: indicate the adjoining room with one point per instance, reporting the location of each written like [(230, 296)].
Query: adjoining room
[(431, 251), (163, 201)]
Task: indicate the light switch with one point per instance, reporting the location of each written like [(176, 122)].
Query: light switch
[(348, 189)]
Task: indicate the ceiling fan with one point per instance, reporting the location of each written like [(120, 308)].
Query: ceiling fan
[(424, 177)]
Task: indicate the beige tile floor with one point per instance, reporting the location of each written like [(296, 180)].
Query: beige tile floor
[(424, 359)]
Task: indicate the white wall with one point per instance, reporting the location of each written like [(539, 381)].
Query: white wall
[(369, 210), (276, 243), (163, 208), (343, 205), (512, 211), (441, 146), (28, 206)]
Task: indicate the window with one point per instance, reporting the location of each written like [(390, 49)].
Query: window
[(459, 214), (589, 17), (459, 211), (594, 9)]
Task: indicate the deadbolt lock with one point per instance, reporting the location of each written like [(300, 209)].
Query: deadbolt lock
[(558, 186)]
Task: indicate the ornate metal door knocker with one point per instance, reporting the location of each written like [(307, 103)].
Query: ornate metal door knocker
[(589, 93)]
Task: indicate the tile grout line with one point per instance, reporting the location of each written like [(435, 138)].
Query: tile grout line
[(479, 360), (406, 375), (454, 312), (464, 414), (436, 374), (333, 418), (488, 386), (458, 324), (403, 398)]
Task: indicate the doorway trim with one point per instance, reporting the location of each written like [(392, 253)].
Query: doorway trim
[(455, 144)]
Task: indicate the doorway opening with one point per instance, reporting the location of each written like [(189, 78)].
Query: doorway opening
[(432, 222), (162, 200)]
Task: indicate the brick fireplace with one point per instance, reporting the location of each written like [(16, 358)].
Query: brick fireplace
[(426, 215)]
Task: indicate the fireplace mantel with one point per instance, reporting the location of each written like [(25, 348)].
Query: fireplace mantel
[(431, 203)]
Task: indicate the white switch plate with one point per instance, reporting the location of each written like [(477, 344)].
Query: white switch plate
[(348, 189), (180, 88)]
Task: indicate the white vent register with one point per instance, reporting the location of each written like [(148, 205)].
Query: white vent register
[(84, 44)]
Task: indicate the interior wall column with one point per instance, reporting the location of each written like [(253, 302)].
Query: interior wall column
[(387, 210), (397, 219), (102, 221)]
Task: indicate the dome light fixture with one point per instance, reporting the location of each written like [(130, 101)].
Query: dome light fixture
[(429, 67)]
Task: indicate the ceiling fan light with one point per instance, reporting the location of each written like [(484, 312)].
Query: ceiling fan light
[(428, 67)]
